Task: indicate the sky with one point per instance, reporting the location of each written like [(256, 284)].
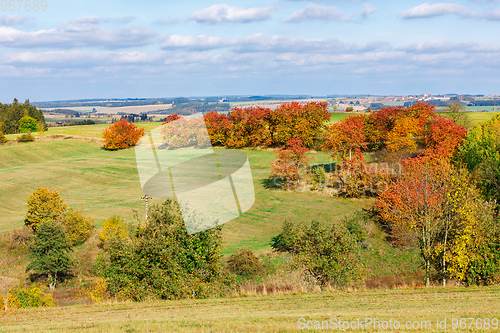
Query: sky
[(140, 49)]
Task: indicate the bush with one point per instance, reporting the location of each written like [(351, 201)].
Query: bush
[(33, 296), (3, 139), (327, 252), (162, 261), (318, 176), (20, 238), (243, 262), (26, 137), (78, 227), (112, 229), (121, 134)]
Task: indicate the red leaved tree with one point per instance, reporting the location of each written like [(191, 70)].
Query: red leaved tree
[(443, 137), (121, 134), (290, 164), (413, 204)]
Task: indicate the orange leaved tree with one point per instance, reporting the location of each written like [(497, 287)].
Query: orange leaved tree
[(121, 134), (413, 204)]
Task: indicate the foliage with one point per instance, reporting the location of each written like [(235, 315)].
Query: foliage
[(327, 251), (413, 204), (43, 205), (345, 136), (50, 252), (186, 132), (78, 227), (121, 134), (172, 117), (318, 177), (162, 261), (3, 139), (480, 154), (290, 164), (32, 296), (26, 137), (356, 178), (10, 116), (218, 126), (27, 124), (113, 229), (244, 262), (258, 126), (443, 137)]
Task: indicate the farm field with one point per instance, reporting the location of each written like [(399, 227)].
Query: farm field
[(270, 313)]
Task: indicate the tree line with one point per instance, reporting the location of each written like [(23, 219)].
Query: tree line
[(12, 116)]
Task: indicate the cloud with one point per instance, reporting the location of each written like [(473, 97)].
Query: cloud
[(82, 32), (253, 43), (438, 9), (426, 10), (13, 20), (367, 11), (222, 13), (317, 12)]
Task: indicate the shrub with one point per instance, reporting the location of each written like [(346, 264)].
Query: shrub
[(43, 205), (26, 137), (327, 252), (112, 229), (318, 176), (78, 227), (3, 139), (243, 262), (162, 261), (20, 238), (27, 124), (33, 296), (121, 134)]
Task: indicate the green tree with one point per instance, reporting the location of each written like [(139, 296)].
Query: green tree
[(50, 253), (43, 205), (27, 124)]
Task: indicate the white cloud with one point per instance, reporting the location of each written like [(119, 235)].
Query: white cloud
[(426, 10), (317, 12), (367, 11), (438, 9), (253, 43), (222, 13), (13, 20), (82, 32)]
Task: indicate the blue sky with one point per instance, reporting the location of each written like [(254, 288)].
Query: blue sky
[(94, 49)]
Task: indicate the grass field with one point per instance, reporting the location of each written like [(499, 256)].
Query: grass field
[(107, 183), (270, 313)]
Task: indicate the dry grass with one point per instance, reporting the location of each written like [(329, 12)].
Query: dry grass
[(266, 313)]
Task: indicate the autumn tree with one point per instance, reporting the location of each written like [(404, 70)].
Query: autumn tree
[(121, 134), (345, 137), (443, 137), (291, 164), (218, 126), (413, 205), (43, 205), (50, 253)]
